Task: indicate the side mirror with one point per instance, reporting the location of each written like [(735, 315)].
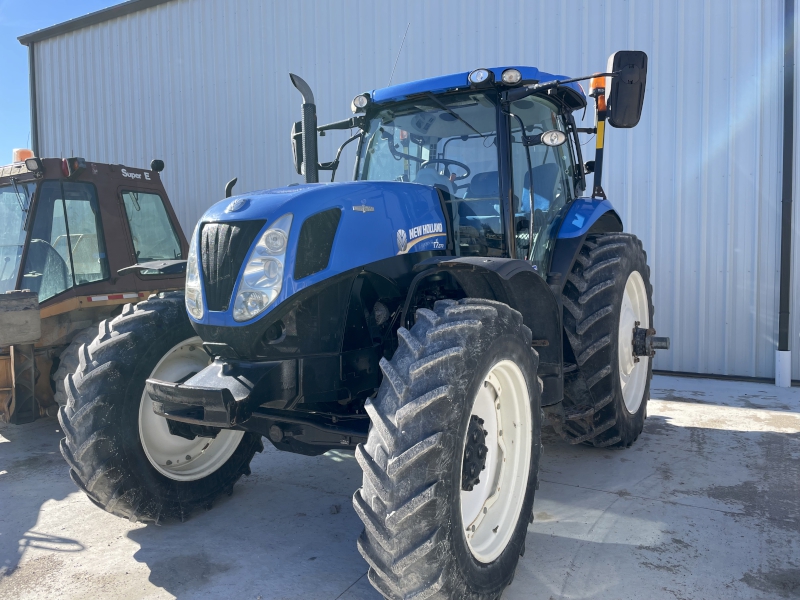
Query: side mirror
[(626, 97), (297, 146)]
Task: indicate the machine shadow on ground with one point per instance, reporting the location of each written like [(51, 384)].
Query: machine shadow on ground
[(291, 526), (288, 531), (29, 480)]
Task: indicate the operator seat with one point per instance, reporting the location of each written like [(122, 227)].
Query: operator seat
[(545, 180), (485, 189), (479, 214)]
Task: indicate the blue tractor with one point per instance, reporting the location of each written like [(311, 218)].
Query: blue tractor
[(430, 315)]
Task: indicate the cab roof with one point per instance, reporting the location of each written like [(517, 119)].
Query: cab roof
[(53, 169), (571, 93)]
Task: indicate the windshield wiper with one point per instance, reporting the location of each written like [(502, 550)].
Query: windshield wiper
[(25, 210), (16, 191), (454, 114)]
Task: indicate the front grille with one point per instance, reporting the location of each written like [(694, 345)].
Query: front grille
[(223, 248)]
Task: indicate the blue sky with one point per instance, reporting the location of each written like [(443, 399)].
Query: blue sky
[(16, 19)]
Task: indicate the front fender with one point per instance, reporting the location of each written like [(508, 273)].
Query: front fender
[(516, 283)]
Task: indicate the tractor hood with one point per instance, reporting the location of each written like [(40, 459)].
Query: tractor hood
[(363, 222)]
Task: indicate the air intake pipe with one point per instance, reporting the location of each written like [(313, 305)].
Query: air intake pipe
[(310, 159)]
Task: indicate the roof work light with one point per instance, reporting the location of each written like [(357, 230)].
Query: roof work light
[(511, 77), (480, 76), (360, 102)]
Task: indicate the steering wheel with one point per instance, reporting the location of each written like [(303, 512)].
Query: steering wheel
[(448, 161)]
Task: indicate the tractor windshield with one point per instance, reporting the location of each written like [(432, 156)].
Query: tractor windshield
[(14, 204), (449, 142)]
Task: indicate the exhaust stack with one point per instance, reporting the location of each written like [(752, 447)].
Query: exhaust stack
[(310, 159)]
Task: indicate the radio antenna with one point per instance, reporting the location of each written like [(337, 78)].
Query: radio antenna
[(398, 54)]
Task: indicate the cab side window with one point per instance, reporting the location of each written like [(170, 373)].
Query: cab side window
[(151, 230), (538, 202)]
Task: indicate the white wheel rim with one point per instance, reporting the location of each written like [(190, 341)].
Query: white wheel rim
[(632, 374), (491, 511), (171, 455)]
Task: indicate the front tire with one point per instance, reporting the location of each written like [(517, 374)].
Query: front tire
[(124, 457), (451, 462)]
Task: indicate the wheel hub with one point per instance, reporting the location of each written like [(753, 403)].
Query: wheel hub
[(474, 454), (183, 453), (634, 327)]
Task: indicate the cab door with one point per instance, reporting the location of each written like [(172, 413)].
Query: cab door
[(67, 246), (540, 194)]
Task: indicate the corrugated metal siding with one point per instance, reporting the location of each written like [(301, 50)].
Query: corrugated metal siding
[(203, 84)]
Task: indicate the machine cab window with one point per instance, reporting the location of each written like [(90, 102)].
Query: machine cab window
[(449, 142), (152, 233), (15, 201)]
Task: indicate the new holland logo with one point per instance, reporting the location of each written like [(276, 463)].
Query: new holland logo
[(237, 204), (424, 237), (402, 241)]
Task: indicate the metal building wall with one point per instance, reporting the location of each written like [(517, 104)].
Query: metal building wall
[(203, 84)]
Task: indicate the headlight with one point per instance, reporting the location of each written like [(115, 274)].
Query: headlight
[(194, 292), (262, 279)]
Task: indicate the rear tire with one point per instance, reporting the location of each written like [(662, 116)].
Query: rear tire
[(608, 290), (68, 362), (419, 485), (105, 430)]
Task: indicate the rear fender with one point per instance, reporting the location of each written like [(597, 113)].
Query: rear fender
[(516, 283)]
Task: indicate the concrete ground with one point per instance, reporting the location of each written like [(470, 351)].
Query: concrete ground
[(705, 505)]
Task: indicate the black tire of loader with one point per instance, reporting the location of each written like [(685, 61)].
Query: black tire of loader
[(410, 500), (594, 408), (68, 362), (100, 420)]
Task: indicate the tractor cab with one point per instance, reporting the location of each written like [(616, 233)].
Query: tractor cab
[(70, 226), (506, 170)]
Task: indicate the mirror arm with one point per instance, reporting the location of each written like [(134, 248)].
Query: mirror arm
[(525, 91), (531, 140), (334, 164), (350, 123)]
